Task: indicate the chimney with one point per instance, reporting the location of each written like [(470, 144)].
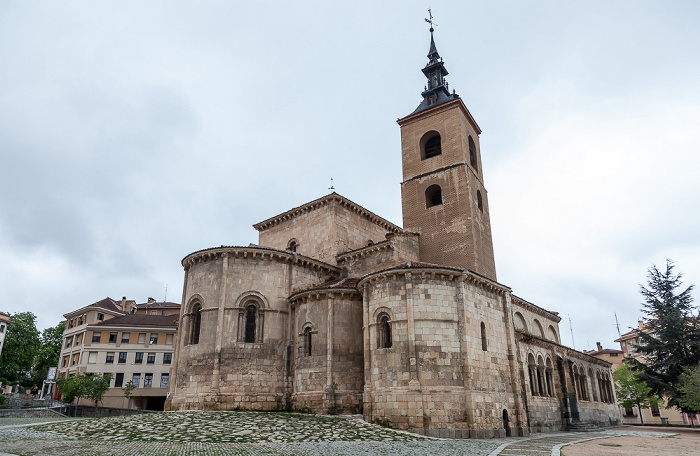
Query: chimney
[(600, 347), (123, 302), (151, 300), (640, 324)]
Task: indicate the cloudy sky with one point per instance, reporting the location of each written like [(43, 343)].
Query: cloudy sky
[(133, 133)]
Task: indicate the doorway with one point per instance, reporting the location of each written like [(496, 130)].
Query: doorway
[(506, 424)]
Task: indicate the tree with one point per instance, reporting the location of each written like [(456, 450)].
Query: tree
[(71, 388), (96, 385), (49, 351), (128, 389), (20, 349), (689, 389), (632, 391), (671, 339)]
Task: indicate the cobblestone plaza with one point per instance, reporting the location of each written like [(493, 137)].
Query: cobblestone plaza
[(250, 433)]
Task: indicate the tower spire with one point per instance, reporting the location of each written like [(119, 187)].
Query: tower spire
[(437, 89)]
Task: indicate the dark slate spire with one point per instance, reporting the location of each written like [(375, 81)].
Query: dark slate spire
[(436, 91)]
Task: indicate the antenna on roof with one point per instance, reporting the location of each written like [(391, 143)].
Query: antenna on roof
[(617, 323), (571, 328), (331, 187), (165, 299)]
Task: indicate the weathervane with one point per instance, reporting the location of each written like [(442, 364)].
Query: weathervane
[(430, 21), (331, 187)]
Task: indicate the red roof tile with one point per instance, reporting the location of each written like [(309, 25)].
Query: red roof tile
[(141, 320)]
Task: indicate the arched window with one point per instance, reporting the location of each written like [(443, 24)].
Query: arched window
[(519, 321), (532, 371), (384, 332), (250, 323), (196, 323), (292, 245), (472, 154), (479, 201), (539, 332), (307, 342), (433, 196), (483, 336), (430, 145), (552, 334)]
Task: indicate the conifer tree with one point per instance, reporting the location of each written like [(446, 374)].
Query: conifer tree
[(670, 341)]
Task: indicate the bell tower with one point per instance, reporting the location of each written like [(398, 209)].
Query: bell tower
[(443, 194)]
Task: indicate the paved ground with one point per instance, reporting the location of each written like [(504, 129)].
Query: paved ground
[(250, 433)]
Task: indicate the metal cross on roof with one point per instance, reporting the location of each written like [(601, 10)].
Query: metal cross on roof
[(430, 21)]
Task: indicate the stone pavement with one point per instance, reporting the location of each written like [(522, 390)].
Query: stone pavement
[(250, 433)]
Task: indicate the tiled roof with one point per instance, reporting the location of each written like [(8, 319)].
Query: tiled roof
[(628, 335), (158, 304), (107, 303), (415, 265), (606, 351), (292, 213), (141, 320), (348, 282)]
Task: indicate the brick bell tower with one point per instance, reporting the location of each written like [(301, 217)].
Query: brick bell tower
[(443, 194)]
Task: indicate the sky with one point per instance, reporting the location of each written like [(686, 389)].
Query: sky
[(134, 133)]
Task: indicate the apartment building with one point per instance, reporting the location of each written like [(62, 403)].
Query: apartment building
[(114, 337)]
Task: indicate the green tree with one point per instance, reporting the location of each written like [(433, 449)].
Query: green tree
[(71, 388), (20, 348), (689, 389), (632, 391), (49, 351), (96, 385), (128, 389), (671, 340)]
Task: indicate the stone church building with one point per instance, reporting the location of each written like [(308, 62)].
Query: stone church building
[(337, 310)]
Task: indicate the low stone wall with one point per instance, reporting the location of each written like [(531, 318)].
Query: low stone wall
[(30, 413), (88, 411)]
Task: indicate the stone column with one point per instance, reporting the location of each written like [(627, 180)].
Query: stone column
[(216, 372), (515, 378), (330, 390), (367, 398)]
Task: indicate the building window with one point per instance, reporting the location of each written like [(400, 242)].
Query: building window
[(479, 201), (655, 411), (433, 196), (384, 332), (292, 245), (483, 337), (122, 358), (472, 154), (154, 312), (167, 358), (125, 338), (629, 412), (76, 358), (96, 337), (136, 380), (69, 341), (139, 358), (151, 358), (154, 339), (2, 328), (164, 380), (250, 323), (162, 313), (430, 145), (307, 342), (112, 338), (196, 323), (92, 357), (100, 316), (65, 361), (110, 358), (148, 380), (119, 380)]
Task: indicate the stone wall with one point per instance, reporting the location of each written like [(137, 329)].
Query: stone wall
[(398, 248), (324, 231), (222, 370)]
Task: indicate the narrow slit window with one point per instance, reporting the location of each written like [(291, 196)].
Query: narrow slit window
[(384, 332), (196, 324), (483, 337), (472, 154), (250, 322)]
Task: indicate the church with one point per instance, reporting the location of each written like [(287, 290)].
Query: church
[(337, 310)]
